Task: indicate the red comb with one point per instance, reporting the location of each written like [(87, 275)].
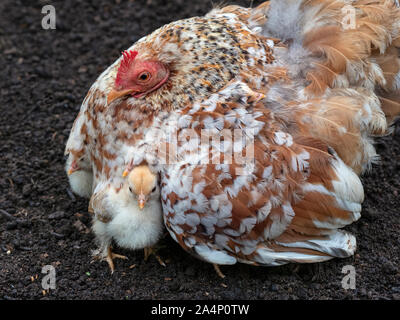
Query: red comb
[(128, 58)]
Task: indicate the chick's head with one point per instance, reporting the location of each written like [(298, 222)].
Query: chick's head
[(143, 185)]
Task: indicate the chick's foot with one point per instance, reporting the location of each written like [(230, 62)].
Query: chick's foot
[(109, 256), (153, 251)]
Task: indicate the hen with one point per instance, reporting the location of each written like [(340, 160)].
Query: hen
[(290, 94)]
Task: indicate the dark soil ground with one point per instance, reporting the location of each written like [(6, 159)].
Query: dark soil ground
[(44, 76)]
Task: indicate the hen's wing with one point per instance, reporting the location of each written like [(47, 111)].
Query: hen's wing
[(285, 204)]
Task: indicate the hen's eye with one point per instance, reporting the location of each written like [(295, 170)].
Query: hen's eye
[(144, 76)]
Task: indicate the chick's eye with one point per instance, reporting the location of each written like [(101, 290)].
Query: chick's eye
[(144, 76), (130, 189), (154, 189)]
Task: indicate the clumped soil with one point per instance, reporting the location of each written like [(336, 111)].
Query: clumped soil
[(44, 77)]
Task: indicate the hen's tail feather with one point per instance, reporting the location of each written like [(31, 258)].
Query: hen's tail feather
[(290, 249), (339, 47), (314, 234), (353, 48), (391, 106), (345, 68), (332, 200), (344, 121)]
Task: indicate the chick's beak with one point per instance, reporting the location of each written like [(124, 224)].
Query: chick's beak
[(114, 94), (141, 200), (125, 173)]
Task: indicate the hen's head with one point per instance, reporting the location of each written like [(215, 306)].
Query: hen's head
[(180, 62), (137, 78)]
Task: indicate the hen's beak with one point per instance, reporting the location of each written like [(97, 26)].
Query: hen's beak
[(141, 200), (74, 167), (114, 94)]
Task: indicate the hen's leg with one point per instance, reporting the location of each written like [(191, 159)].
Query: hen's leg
[(218, 271)]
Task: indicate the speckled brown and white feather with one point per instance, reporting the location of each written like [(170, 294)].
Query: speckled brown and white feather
[(313, 94)]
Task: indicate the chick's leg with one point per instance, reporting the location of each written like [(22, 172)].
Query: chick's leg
[(104, 252), (111, 256), (107, 255), (152, 251)]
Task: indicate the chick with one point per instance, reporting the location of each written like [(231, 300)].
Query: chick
[(80, 175), (131, 217)]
